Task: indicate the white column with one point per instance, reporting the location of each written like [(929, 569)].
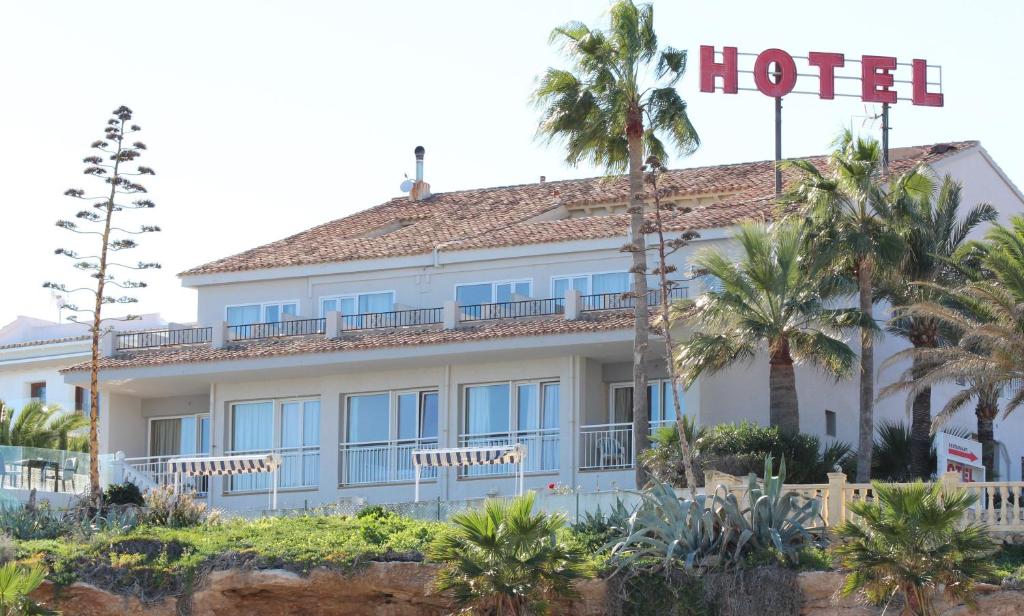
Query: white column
[(332, 324), (573, 305), (220, 338), (330, 439), (450, 315), (108, 343)]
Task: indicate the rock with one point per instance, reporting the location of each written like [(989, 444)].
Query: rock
[(80, 599)]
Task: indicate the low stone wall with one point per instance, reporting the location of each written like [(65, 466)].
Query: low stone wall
[(405, 589)]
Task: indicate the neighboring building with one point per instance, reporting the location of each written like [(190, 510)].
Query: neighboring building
[(471, 317), (33, 351)]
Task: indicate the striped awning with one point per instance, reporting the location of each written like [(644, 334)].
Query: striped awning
[(225, 465), (470, 456)]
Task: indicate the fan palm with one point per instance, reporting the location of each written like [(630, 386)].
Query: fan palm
[(16, 583), (850, 205), (613, 108), (504, 560), (909, 540), (37, 425), (770, 297), (933, 231)]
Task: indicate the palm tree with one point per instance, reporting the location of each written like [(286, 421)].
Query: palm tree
[(612, 109), (770, 297), (16, 584), (933, 232), (909, 540), (506, 560), (37, 425), (849, 206), (984, 319)]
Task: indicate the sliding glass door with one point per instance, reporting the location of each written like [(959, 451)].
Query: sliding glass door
[(490, 420), (252, 431)]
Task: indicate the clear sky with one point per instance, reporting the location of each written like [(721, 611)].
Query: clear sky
[(266, 118)]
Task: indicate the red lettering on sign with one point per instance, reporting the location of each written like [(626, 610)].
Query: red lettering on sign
[(876, 79), (921, 94), (827, 64), (726, 69), (784, 73)]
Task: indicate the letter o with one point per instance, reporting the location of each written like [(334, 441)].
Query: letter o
[(786, 69)]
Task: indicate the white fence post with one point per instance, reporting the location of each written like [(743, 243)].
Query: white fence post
[(450, 314), (573, 304), (332, 324), (836, 503), (219, 338)]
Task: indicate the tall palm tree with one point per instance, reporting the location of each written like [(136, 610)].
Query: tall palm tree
[(613, 108), (37, 425), (849, 205), (769, 298), (506, 560), (984, 318), (933, 231)]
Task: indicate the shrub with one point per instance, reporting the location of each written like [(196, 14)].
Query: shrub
[(165, 508), (909, 541), (15, 585), (740, 449), (123, 494), (7, 549), (505, 559), (664, 460), (595, 531), (26, 523)]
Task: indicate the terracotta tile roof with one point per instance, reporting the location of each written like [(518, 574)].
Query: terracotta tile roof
[(372, 340), (31, 343), (508, 215)]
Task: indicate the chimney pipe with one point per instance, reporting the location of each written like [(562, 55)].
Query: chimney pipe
[(543, 179), (419, 162)]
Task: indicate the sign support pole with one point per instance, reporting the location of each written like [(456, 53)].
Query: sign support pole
[(885, 136), (778, 145)]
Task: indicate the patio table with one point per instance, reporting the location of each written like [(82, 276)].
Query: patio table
[(42, 464)]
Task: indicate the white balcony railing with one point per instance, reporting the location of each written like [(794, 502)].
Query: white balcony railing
[(154, 471), (382, 461), (541, 451), (610, 446), (300, 468)]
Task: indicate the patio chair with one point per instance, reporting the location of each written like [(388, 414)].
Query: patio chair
[(66, 472), (4, 473), (610, 452)]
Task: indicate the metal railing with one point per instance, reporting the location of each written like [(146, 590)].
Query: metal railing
[(277, 329), (157, 338), (513, 310), (300, 468), (154, 471), (382, 461), (624, 301), (610, 446), (397, 318), (541, 451)]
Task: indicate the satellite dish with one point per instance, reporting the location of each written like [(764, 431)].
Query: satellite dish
[(407, 185)]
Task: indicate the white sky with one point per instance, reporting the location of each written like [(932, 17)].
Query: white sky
[(266, 118)]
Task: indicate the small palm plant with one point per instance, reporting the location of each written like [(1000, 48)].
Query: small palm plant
[(909, 540), (16, 583), (505, 560)]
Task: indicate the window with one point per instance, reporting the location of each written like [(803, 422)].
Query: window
[(830, 423), (248, 314), (297, 439), (493, 292), (360, 303), (591, 284), (83, 400), (506, 413), (381, 431), (38, 391), (659, 403), (176, 436)]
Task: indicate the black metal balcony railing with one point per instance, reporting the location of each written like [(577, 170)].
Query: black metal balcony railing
[(397, 318), (162, 338), (513, 310), (278, 329), (622, 301)]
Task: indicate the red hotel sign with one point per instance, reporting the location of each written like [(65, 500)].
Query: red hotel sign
[(775, 74)]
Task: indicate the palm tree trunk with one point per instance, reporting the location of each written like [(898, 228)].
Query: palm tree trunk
[(985, 411), (641, 322), (867, 375), (783, 407), (921, 426)]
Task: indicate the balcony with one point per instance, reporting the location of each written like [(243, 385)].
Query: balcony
[(382, 462), (605, 447), (335, 324), (541, 452)]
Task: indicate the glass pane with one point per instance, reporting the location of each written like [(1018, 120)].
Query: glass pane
[(503, 292), (165, 437), (290, 309), (367, 418), (528, 406), (348, 305), (487, 409), (291, 424), (472, 294), (252, 426), (611, 283), (328, 305), (654, 402), (204, 434), (428, 418), (670, 404), (408, 413), (523, 288), (622, 404), (311, 423), (559, 287), (188, 435), (581, 284), (376, 302), (271, 314), (244, 315), (550, 406)]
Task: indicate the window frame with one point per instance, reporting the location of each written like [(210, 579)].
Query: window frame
[(393, 414), (276, 432), (628, 385), (263, 309), (494, 288), (34, 387), (513, 403), (588, 275), (197, 416), (320, 301)]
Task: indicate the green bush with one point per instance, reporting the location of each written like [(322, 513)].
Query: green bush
[(27, 523), (123, 494), (165, 508), (16, 583), (664, 459), (740, 449)]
